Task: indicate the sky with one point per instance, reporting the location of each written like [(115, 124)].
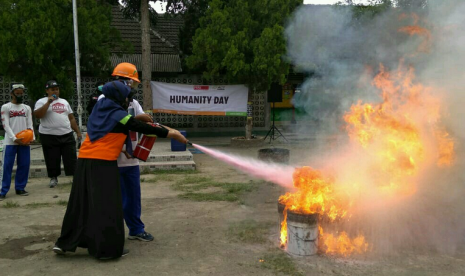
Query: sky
[(159, 6)]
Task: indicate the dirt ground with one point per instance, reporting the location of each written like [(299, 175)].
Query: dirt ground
[(191, 237)]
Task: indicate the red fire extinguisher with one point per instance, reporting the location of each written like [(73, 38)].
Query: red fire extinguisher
[(143, 148)]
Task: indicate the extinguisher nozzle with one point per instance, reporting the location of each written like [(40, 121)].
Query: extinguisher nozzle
[(189, 143)]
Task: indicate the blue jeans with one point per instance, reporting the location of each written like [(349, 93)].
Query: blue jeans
[(130, 190), (22, 171)]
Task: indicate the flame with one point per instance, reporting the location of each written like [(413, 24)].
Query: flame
[(393, 131), (283, 236), (415, 29), (400, 135), (341, 244), (316, 194), (446, 151)]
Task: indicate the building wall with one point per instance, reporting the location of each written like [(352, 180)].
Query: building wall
[(188, 122)]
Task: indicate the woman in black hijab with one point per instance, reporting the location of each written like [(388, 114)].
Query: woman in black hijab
[(94, 216)]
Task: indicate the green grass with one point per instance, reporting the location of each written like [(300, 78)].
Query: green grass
[(38, 205), (62, 202), (46, 204), (250, 231), (280, 262), (162, 177), (209, 197), (145, 171), (168, 175), (161, 172), (11, 204), (65, 186), (193, 185)]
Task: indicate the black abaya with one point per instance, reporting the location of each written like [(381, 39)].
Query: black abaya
[(94, 217)]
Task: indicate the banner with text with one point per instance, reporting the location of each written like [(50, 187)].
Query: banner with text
[(222, 100)]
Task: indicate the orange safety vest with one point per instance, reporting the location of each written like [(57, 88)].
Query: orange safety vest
[(106, 148)]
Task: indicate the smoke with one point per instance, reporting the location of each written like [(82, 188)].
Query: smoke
[(444, 66), (342, 53), (344, 56)]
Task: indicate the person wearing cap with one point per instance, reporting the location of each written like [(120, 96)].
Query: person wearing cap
[(94, 216), (56, 132), (16, 117), (94, 96)]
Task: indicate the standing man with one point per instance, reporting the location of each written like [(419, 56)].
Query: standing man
[(56, 132), (129, 167), (130, 182), (16, 117)]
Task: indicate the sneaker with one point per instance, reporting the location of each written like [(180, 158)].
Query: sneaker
[(144, 236), (125, 252), (22, 192), (58, 250), (2, 197), (53, 182)]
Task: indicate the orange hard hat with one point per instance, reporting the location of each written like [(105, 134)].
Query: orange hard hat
[(27, 135), (126, 70)]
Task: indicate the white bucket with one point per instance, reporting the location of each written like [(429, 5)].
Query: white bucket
[(302, 234)]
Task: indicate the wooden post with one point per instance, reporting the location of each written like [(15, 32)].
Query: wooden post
[(249, 123), (146, 55)]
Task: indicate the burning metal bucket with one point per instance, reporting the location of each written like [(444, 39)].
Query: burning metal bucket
[(302, 232), (276, 155)]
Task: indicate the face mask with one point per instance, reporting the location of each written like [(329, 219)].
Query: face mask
[(19, 98), (99, 89), (129, 83)]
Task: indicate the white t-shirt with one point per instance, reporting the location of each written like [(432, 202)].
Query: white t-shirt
[(15, 118), (56, 120), (123, 161)]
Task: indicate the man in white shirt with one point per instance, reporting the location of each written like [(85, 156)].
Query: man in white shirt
[(130, 182), (56, 132), (128, 166), (16, 117)]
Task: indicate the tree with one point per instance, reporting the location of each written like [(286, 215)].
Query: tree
[(146, 56), (37, 43), (191, 12), (141, 9), (243, 40)]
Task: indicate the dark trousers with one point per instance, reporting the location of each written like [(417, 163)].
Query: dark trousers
[(130, 189), (94, 216), (56, 147)]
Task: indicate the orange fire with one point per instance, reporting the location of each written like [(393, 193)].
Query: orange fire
[(399, 136), (316, 194), (415, 29), (396, 130), (341, 244)]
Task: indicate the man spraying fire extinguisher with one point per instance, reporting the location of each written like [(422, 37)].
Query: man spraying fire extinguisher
[(129, 166)]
